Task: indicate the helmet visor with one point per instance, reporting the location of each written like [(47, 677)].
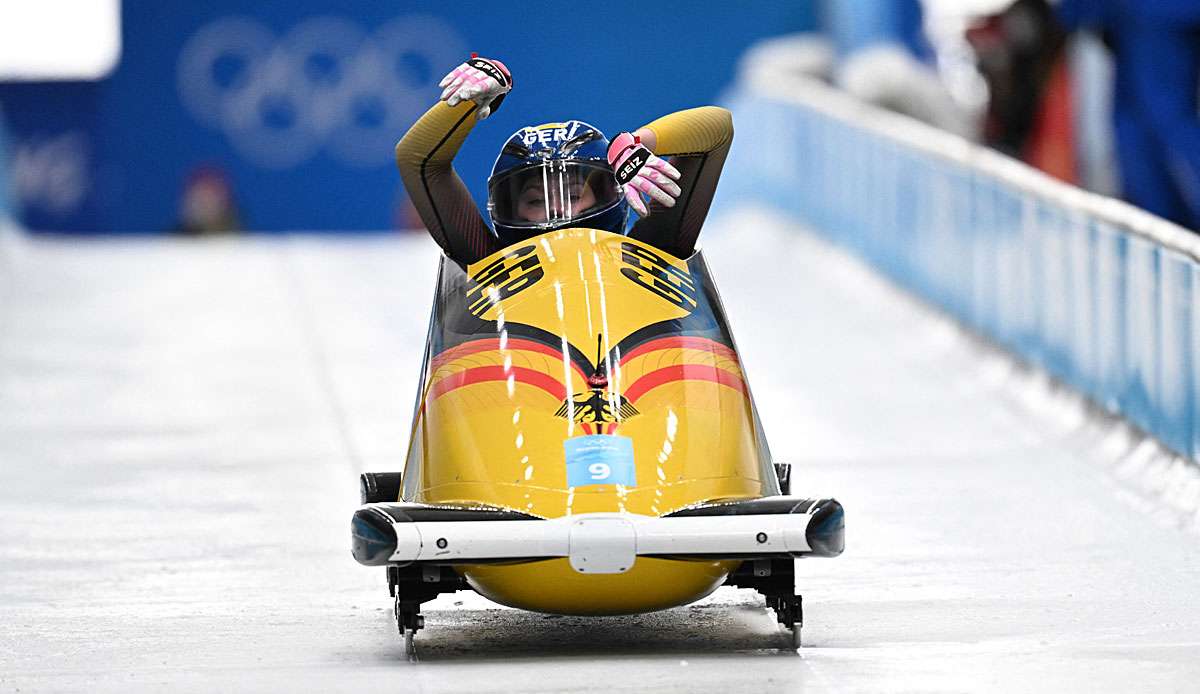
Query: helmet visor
[(551, 194)]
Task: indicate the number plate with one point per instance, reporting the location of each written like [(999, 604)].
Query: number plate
[(600, 459)]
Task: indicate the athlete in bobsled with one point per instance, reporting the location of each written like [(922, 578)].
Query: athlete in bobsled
[(560, 175), (584, 439)]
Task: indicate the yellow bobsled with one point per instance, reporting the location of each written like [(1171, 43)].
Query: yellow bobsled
[(585, 442)]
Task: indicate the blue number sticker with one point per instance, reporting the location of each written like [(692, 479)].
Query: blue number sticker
[(600, 459)]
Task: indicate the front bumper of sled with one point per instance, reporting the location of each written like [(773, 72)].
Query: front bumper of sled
[(598, 543)]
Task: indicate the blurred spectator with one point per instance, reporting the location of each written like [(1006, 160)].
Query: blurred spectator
[(1155, 116), (207, 206), (1029, 107), (1156, 45), (6, 211)]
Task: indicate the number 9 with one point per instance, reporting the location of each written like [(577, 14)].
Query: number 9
[(599, 471)]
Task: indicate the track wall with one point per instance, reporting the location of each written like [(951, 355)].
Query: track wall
[(1102, 295)]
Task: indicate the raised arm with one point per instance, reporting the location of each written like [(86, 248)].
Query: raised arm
[(696, 141), (426, 152), (693, 131)]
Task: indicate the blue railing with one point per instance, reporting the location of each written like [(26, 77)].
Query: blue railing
[(1103, 296)]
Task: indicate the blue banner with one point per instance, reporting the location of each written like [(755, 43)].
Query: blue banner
[(292, 109)]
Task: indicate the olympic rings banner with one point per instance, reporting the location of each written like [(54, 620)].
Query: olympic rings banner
[(295, 107), (324, 86)]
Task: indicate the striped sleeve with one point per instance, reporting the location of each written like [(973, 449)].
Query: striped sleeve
[(696, 141), (424, 156)]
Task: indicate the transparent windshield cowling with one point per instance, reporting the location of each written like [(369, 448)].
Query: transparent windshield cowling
[(551, 193)]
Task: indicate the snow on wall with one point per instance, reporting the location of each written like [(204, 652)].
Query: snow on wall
[(1103, 296)]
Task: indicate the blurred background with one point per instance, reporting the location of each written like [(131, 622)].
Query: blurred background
[(150, 117), (284, 115)]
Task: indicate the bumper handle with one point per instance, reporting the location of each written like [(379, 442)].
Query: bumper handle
[(771, 527)]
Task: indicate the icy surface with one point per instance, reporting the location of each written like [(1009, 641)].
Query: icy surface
[(182, 424)]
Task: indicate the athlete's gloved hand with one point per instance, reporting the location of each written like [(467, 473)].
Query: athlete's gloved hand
[(639, 171), (480, 80)]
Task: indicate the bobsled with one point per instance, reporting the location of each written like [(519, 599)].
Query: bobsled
[(585, 442)]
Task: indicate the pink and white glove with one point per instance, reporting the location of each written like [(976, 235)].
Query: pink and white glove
[(480, 80), (639, 171)]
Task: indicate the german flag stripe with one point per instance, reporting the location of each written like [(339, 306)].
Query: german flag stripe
[(680, 342), (683, 372), (483, 374), (493, 345)]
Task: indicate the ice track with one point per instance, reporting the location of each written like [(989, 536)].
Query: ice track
[(182, 424)]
